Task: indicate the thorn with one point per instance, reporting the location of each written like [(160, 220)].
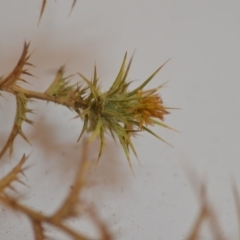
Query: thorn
[(42, 10), (23, 136), (73, 5)]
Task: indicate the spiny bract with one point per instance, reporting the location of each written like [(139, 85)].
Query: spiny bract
[(121, 112)]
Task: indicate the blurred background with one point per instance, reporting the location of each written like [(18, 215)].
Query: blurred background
[(202, 39)]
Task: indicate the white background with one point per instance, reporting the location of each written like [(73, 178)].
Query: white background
[(202, 38)]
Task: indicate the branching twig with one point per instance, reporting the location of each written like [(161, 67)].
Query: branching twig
[(68, 209)]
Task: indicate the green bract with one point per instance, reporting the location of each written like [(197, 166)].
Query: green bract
[(119, 111)]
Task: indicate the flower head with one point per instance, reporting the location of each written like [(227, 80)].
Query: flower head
[(149, 105), (121, 112)]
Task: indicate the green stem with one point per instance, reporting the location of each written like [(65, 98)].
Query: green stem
[(45, 97)]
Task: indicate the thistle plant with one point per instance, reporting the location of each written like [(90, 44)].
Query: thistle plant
[(119, 111)]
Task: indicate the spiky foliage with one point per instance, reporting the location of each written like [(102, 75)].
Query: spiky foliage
[(9, 84), (60, 86), (18, 71), (118, 111), (121, 111), (20, 117), (12, 176)]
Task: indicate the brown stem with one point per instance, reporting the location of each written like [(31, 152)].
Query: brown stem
[(38, 217)]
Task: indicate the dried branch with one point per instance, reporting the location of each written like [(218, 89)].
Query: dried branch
[(69, 208), (206, 214), (19, 70), (103, 228), (38, 219), (38, 230), (20, 117), (12, 176)]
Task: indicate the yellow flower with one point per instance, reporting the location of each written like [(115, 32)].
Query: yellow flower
[(150, 106)]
